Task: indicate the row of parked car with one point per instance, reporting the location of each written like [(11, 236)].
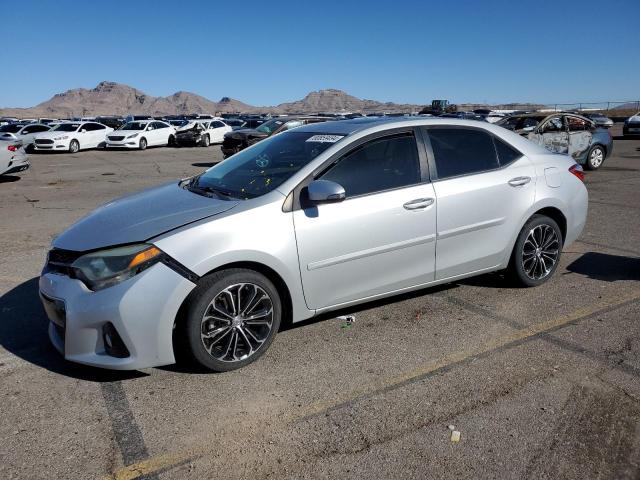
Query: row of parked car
[(585, 137)]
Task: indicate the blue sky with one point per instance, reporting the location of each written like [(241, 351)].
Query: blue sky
[(269, 52)]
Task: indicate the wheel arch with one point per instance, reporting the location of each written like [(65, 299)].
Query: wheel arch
[(270, 273), (556, 215)]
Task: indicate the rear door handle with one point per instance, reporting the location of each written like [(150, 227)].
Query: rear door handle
[(418, 203), (519, 181)]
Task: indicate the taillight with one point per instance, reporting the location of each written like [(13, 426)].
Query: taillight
[(12, 148), (577, 171)]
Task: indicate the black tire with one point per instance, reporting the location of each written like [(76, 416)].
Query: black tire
[(188, 332), (142, 145), (516, 271), (172, 141), (206, 141), (74, 146), (595, 158)]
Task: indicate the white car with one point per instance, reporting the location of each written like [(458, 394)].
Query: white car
[(142, 134), (73, 136), (22, 132), (13, 158)]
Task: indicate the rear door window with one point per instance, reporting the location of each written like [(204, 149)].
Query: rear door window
[(462, 151)]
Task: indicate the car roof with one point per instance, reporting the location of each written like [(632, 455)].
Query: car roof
[(366, 125)]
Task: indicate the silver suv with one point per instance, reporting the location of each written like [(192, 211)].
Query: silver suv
[(307, 221)]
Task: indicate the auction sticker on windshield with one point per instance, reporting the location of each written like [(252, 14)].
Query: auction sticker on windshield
[(324, 138)]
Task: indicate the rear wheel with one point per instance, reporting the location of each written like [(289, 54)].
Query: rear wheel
[(231, 318), (142, 145), (595, 158), (74, 146), (536, 253), (172, 141)]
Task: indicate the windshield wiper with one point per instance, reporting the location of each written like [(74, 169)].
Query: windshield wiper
[(207, 191)]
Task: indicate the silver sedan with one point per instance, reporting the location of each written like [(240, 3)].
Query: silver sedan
[(308, 221)]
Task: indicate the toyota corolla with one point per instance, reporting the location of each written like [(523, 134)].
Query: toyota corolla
[(308, 221)]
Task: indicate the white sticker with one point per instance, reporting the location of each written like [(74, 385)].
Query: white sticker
[(325, 138)]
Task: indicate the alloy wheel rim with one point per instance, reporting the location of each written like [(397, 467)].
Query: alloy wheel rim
[(596, 157), (237, 322), (540, 252)]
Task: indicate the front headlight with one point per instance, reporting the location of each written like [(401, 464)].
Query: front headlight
[(61, 138), (133, 136), (104, 268)]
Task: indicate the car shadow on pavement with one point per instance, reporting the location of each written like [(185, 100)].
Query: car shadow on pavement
[(9, 178), (605, 267), (23, 332)]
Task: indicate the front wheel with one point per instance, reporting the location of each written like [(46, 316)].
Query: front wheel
[(143, 144), (536, 253), (206, 141), (74, 146), (172, 141), (230, 319), (595, 158)]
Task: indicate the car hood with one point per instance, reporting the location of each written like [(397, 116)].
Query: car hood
[(53, 134), (634, 119), (126, 133), (245, 133), (139, 217)]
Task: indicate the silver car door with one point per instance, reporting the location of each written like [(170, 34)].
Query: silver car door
[(580, 136), (381, 238), (481, 198)]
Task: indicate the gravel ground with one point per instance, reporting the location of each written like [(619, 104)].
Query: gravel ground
[(541, 383)]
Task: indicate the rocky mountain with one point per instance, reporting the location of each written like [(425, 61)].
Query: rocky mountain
[(331, 100), (110, 98)]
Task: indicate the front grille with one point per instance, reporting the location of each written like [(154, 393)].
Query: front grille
[(116, 138), (59, 261), (44, 141), (56, 311)]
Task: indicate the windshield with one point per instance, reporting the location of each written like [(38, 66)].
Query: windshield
[(178, 123), (134, 126), (66, 127), (265, 166), (270, 126), (12, 128)]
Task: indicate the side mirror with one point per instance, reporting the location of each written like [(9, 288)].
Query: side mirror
[(325, 191), (84, 130)]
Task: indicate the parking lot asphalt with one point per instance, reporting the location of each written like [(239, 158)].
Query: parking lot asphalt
[(541, 383)]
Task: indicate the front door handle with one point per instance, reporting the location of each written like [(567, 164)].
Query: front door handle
[(418, 203), (519, 181)]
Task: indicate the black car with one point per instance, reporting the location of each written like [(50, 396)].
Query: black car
[(236, 123), (245, 137), (632, 125)]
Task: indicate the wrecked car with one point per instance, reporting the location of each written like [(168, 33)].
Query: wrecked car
[(565, 133), (201, 133), (238, 140)]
